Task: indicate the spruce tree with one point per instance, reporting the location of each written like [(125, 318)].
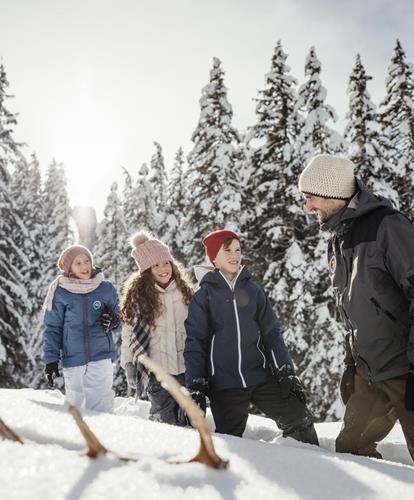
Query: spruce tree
[(112, 248), (57, 213), (158, 180), (175, 208), (397, 125), (316, 136), (367, 148), (283, 248), (27, 194), (212, 185), (14, 303)]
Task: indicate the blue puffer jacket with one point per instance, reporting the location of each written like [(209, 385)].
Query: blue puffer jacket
[(233, 335), (73, 333)]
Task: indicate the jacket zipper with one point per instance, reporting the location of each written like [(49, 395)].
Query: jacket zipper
[(237, 324), (85, 326), (211, 356), (261, 352)]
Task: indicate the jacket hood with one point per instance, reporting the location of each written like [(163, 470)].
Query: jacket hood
[(360, 204), (216, 278), (200, 271)]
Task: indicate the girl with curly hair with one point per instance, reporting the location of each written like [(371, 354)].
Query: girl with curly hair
[(154, 306)]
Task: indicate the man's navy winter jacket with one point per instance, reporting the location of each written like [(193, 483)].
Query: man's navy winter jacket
[(73, 333), (233, 335)]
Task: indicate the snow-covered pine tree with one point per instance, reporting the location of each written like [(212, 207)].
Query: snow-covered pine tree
[(212, 183), (14, 303), (112, 247), (316, 136), (57, 213), (367, 149), (138, 203), (175, 208), (158, 180), (397, 125), (282, 246), (27, 194)]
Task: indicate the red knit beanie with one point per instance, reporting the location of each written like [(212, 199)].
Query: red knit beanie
[(68, 255), (213, 241)]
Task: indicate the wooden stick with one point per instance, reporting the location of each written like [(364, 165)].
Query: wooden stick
[(207, 454), (7, 433)]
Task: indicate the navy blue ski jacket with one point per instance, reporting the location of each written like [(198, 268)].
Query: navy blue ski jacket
[(73, 333), (234, 338)]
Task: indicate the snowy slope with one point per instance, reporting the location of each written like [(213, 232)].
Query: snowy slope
[(262, 464)]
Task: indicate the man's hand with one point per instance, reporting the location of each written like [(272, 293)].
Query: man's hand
[(51, 372)]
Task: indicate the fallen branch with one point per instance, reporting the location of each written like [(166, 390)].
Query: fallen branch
[(95, 447), (206, 454), (7, 433)]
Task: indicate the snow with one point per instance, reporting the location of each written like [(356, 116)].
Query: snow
[(263, 465)]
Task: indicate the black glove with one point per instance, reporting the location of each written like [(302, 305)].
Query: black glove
[(409, 390), (131, 375), (51, 371), (109, 320), (290, 383), (347, 385), (198, 393)]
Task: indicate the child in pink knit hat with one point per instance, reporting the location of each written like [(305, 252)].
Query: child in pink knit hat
[(81, 311), (154, 306)]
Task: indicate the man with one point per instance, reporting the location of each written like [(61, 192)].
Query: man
[(371, 265)]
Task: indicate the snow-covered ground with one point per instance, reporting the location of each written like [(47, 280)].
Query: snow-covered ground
[(263, 465)]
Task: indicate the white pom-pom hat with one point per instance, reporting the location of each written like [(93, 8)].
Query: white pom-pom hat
[(328, 176), (147, 251)]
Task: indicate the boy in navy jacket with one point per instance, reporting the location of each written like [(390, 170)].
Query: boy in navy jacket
[(235, 352)]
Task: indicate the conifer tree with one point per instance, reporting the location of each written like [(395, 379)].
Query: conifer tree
[(176, 206), (316, 136), (112, 249), (14, 303), (212, 183), (57, 213), (283, 247), (367, 148), (158, 180), (397, 125), (27, 194)]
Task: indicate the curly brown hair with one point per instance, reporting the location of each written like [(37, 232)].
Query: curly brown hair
[(141, 298)]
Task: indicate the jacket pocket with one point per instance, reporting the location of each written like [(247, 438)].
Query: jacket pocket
[(381, 310)]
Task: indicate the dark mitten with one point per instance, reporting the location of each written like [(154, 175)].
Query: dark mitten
[(51, 371), (198, 393), (290, 383), (409, 390), (347, 385), (109, 320), (131, 375)]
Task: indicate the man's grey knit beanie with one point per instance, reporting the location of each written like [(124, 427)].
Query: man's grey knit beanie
[(328, 176)]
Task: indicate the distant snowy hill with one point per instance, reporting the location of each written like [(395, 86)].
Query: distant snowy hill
[(263, 465)]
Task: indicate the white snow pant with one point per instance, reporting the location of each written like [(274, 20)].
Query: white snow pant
[(90, 386)]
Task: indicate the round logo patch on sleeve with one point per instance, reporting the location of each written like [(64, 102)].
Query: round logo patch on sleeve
[(97, 304)]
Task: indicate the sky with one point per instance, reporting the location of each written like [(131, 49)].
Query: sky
[(96, 82), (262, 465)]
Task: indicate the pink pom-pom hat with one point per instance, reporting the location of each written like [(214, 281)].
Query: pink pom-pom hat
[(148, 251)]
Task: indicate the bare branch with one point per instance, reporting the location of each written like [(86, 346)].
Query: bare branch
[(7, 433), (206, 454)]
